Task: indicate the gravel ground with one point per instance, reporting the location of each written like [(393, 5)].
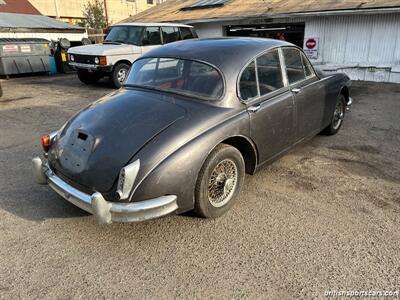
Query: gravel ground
[(324, 217)]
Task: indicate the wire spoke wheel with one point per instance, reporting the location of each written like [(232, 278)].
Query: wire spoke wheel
[(338, 115), (222, 183)]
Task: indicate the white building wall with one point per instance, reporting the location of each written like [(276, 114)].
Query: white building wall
[(209, 30), (366, 47)]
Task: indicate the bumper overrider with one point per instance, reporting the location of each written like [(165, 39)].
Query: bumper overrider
[(105, 211)]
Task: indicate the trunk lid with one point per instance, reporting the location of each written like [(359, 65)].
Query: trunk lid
[(101, 139)]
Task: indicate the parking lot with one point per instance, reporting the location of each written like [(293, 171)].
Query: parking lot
[(324, 217)]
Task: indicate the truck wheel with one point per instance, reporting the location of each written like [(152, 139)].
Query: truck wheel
[(88, 77), (219, 181), (119, 74)]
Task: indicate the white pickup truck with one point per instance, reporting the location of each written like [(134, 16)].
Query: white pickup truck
[(123, 45)]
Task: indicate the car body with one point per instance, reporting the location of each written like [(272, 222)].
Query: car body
[(124, 44), (148, 146)]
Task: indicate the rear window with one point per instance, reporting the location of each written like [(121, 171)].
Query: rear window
[(177, 75), (186, 33), (170, 34)]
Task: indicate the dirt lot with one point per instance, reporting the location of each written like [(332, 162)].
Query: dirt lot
[(324, 217)]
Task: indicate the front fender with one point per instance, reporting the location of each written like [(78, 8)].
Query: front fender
[(177, 173)]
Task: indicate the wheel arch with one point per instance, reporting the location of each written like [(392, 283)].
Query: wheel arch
[(122, 61), (345, 92), (248, 150)]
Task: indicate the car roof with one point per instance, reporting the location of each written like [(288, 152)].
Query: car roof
[(230, 55), (153, 24)]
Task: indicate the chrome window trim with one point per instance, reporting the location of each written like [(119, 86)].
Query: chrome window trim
[(282, 89), (306, 78)]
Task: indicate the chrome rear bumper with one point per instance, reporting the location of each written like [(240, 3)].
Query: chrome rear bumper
[(104, 211)]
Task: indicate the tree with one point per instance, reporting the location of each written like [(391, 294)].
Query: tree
[(93, 13)]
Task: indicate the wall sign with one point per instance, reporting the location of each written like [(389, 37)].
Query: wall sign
[(311, 47), (25, 48), (10, 48)]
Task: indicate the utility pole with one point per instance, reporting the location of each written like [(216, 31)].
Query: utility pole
[(105, 11), (57, 10)]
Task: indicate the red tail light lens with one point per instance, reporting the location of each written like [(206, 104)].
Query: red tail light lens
[(46, 142)]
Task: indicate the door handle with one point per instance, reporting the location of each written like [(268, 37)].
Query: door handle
[(296, 90), (254, 108)]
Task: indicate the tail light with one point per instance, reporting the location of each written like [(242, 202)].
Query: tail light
[(46, 142)]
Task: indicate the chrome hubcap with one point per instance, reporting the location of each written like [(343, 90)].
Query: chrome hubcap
[(222, 183), (121, 75), (338, 115)]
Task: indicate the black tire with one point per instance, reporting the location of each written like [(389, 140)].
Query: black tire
[(334, 126), (115, 74), (88, 77), (221, 156)]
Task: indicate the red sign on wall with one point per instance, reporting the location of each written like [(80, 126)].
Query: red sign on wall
[(311, 43), (310, 47)]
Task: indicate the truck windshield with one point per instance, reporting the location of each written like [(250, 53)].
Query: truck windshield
[(180, 76), (124, 35)]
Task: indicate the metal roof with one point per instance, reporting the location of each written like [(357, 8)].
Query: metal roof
[(174, 10), (152, 24), (18, 6), (205, 4), (11, 20)]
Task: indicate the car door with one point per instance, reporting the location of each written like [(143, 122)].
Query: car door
[(151, 38), (269, 103), (309, 93)]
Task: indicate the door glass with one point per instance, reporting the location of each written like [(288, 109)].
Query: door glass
[(169, 35), (294, 65), (307, 66), (152, 36), (186, 33), (269, 72), (248, 83)]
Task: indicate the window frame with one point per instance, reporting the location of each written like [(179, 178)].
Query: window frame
[(144, 32), (306, 78), (272, 93), (181, 35), (173, 28), (195, 97)]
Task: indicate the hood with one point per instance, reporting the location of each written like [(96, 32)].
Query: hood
[(100, 140), (105, 49)]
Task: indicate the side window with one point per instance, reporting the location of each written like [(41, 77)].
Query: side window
[(177, 34), (169, 35), (307, 66), (151, 36), (269, 72), (294, 65), (248, 83), (186, 33)]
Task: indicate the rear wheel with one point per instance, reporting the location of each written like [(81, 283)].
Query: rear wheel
[(88, 77), (119, 74), (337, 117), (219, 181)]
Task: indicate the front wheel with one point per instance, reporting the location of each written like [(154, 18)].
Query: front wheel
[(219, 181), (119, 74), (337, 117)]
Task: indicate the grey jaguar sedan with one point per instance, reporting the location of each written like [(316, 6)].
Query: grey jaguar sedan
[(192, 118)]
